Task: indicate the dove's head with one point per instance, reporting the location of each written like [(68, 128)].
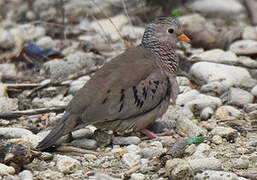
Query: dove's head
[(164, 31)]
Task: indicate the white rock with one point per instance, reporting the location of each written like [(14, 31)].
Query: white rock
[(216, 139), (137, 176), (67, 164), (227, 111), (131, 159), (14, 132), (78, 84), (100, 176), (8, 104), (85, 143), (217, 55), (28, 32), (6, 39), (126, 140), (202, 101), (189, 127), (105, 27), (133, 149), (244, 47), (247, 62), (155, 149), (3, 90), (26, 175), (205, 163), (179, 169), (250, 32), (206, 113), (241, 163), (132, 32), (5, 170), (46, 42), (184, 98), (228, 75), (84, 132), (214, 88), (8, 69), (223, 131), (254, 91), (239, 97), (216, 175), (202, 151), (183, 81), (218, 7)]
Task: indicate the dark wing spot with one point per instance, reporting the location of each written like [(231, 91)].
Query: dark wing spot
[(156, 82), (121, 107), (104, 101), (141, 104), (154, 91), (138, 102), (135, 93), (144, 92), (108, 91), (122, 95)]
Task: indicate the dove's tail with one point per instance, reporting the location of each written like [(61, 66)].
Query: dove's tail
[(64, 126)]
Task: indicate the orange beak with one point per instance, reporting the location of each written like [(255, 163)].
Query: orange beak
[(183, 37)]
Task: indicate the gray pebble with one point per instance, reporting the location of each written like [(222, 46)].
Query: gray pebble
[(239, 97), (205, 163), (100, 176), (223, 131), (227, 111), (126, 140), (6, 39), (206, 113), (67, 164), (254, 91), (85, 143), (84, 132), (216, 175), (179, 169), (26, 175), (241, 163), (214, 88), (184, 98), (250, 107), (131, 159), (216, 139), (202, 151), (244, 47), (5, 170), (133, 149), (137, 176), (46, 156), (14, 132), (155, 149)]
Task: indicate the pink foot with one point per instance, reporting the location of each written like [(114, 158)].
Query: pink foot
[(151, 135)]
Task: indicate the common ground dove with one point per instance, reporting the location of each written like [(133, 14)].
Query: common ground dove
[(132, 90)]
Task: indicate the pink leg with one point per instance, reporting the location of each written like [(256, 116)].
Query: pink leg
[(151, 134)]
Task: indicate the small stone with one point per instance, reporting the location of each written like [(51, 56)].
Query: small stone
[(137, 176), (217, 7), (100, 176), (90, 157), (8, 69), (224, 131), (14, 132), (254, 91), (244, 47), (241, 163), (183, 81), (109, 29), (184, 98), (227, 111), (6, 39), (84, 132), (85, 143), (46, 42), (46, 156), (216, 175), (179, 169), (203, 101), (26, 175), (206, 72), (205, 163), (206, 113), (189, 127), (155, 149), (250, 32), (8, 104), (6, 170), (126, 140), (78, 84), (239, 97), (190, 149), (67, 164), (131, 159), (133, 149), (214, 88), (202, 151), (249, 63), (216, 139)]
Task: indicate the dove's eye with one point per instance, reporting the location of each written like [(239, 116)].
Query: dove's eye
[(170, 30)]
